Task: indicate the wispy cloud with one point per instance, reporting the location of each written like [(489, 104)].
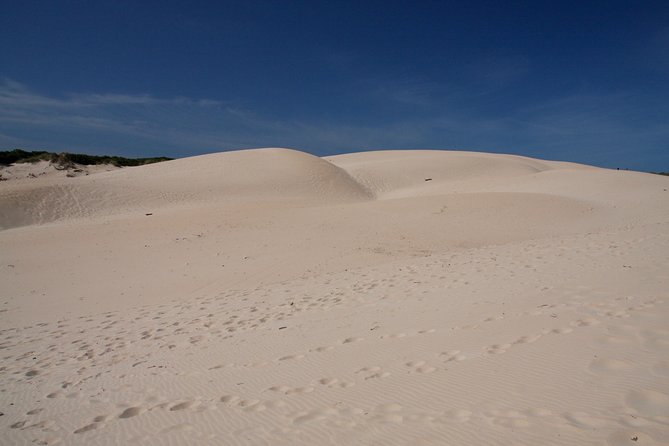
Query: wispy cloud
[(610, 130), (15, 94), (144, 117)]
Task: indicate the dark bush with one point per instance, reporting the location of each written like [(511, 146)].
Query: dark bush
[(67, 159)]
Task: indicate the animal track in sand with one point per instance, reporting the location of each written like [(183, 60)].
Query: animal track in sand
[(349, 417), (420, 367), (386, 413), (511, 419), (497, 349), (584, 420), (373, 372), (605, 366), (351, 340), (585, 322), (408, 334), (93, 355), (251, 405), (452, 355), (314, 415), (560, 330), (454, 416), (528, 339), (286, 390), (335, 383)]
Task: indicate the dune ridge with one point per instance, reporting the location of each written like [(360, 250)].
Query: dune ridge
[(398, 297), (259, 174), (285, 174)]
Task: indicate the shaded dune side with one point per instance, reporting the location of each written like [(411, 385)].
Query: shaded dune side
[(414, 173), (401, 173), (258, 175), (255, 173)]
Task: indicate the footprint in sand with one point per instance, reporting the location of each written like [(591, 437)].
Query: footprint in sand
[(455, 416), (511, 419), (351, 340), (88, 427), (389, 413), (183, 405), (229, 399), (648, 402), (291, 357), (656, 339), (18, 424), (584, 420), (323, 349), (617, 314), (661, 368), (131, 412), (216, 367)]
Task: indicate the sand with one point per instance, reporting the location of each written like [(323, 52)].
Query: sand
[(272, 297)]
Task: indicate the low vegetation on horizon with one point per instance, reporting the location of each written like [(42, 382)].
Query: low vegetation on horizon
[(8, 157)]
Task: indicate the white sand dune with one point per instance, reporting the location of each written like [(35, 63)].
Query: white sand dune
[(256, 175), (398, 297)]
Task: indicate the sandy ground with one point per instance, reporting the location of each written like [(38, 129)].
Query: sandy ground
[(272, 297), (46, 169)]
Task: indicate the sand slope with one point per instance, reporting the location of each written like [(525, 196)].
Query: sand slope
[(255, 175), (273, 297)]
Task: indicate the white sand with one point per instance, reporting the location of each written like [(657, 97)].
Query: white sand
[(273, 297)]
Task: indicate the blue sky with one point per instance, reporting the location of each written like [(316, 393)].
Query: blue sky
[(580, 81)]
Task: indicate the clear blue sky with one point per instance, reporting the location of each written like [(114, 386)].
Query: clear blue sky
[(580, 81)]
